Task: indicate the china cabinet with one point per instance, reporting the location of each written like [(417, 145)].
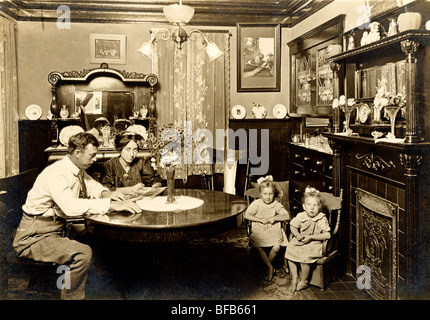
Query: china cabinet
[(386, 180), (311, 77)]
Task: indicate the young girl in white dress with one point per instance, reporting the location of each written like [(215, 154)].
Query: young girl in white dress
[(309, 229), (266, 213)]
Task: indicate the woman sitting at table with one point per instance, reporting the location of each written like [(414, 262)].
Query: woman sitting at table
[(126, 173)]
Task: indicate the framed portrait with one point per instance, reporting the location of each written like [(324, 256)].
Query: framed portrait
[(109, 48), (258, 57)]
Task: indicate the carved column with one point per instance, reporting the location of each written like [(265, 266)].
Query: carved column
[(412, 164), (153, 80), (335, 67), (53, 79), (412, 135), (336, 167)]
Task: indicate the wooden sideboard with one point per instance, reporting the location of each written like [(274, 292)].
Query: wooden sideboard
[(309, 167), (386, 182)]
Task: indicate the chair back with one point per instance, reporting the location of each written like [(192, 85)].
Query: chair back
[(333, 208), (15, 189)]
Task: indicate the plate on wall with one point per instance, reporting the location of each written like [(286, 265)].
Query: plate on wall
[(238, 112), (279, 111), (33, 112)]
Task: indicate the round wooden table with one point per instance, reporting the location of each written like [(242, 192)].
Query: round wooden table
[(217, 212)]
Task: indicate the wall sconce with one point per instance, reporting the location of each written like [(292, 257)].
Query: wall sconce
[(179, 15)]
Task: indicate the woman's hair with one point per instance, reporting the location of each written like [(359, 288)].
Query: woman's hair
[(122, 139), (312, 193), (81, 140)]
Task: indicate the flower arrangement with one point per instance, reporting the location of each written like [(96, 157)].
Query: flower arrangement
[(347, 105), (384, 99), (166, 151), (166, 147)]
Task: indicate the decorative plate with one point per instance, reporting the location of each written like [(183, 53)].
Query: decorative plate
[(259, 111), (67, 132), (364, 112), (238, 112), (279, 111), (33, 112)]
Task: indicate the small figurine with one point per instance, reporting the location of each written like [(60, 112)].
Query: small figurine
[(363, 40), (64, 112), (392, 29), (143, 111), (374, 32), (351, 43)]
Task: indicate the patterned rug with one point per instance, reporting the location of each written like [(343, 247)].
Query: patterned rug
[(222, 267)]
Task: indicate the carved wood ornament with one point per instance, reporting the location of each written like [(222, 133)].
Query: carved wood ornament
[(375, 162)]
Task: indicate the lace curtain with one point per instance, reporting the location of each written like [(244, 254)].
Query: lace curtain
[(9, 149), (195, 90)]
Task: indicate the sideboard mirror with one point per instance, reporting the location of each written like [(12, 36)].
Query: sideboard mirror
[(102, 92)]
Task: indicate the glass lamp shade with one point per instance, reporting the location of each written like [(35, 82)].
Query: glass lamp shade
[(178, 13), (213, 51), (147, 49)]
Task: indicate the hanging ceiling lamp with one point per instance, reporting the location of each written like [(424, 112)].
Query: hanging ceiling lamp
[(179, 15)]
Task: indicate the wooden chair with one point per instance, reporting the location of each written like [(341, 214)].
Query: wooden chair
[(20, 277), (333, 207)]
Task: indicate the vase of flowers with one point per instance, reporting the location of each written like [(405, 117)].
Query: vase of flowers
[(347, 106), (166, 154), (392, 108)]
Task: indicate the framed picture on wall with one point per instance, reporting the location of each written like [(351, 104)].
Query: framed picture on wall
[(109, 48), (378, 7), (258, 57)]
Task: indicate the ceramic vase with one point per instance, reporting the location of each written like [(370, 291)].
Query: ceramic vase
[(151, 106), (143, 112), (409, 21), (64, 112), (55, 109)]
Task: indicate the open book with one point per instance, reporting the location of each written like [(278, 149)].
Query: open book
[(146, 192)]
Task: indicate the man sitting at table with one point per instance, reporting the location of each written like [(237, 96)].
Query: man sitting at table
[(64, 190)]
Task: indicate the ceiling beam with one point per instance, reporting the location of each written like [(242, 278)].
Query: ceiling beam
[(210, 13)]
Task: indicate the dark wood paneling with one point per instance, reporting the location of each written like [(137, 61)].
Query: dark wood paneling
[(279, 135), (34, 138)]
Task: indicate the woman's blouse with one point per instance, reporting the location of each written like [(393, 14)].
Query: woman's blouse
[(141, 171)]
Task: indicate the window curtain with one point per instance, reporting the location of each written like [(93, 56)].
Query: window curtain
[(195, 90), (9, 150)]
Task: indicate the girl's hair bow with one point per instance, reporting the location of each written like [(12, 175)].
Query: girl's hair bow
[(260, 180), (311, 190)]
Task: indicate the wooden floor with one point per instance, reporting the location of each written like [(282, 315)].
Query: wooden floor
[(217, 268)]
